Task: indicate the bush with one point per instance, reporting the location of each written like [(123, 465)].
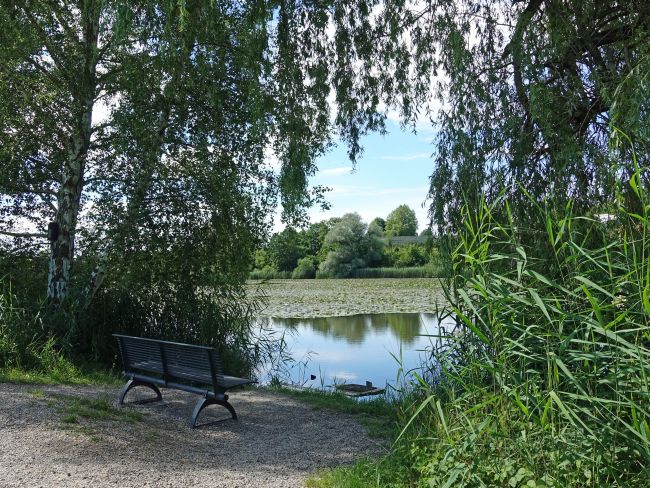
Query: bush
[(306, 268), (412, 255), (269, 273)]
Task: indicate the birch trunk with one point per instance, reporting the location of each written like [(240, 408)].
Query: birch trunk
[(72, 175)]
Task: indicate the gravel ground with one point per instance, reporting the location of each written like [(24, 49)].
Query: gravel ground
[(277, 442)]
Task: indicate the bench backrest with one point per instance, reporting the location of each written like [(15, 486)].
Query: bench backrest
[(171, 360)]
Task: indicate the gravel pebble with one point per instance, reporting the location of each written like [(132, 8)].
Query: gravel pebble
[(277, 442)]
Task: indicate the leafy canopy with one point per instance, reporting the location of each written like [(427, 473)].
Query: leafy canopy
[(401, 222)]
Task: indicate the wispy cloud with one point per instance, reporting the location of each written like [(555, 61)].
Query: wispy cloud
[(407, 157), (341, 170)]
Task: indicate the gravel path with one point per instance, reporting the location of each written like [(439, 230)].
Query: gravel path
[(277, 442)]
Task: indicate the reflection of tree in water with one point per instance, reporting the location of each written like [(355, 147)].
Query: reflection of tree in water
[(355, 328)]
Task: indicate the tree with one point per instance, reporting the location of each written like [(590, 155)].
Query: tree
[(285, 250), (349, 247), (306, 268), (114, 115), (313, 238), (401, 222), (528, 92), (379, 222)]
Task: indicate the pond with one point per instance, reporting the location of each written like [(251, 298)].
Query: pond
[(355, 348)]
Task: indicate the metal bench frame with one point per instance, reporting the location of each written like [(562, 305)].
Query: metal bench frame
[(152, 363)]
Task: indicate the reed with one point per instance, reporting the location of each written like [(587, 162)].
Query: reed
[(547, 370), (544, 381)]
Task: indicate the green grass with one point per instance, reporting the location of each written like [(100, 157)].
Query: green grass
[(428, 271), (265, 274), (73, 407), (84, 375), (378, 416), (362, 474), (81, 415)]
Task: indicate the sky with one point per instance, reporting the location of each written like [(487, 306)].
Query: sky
[(393, 170)]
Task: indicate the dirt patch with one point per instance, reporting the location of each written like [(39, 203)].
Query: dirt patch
[(48, 438)]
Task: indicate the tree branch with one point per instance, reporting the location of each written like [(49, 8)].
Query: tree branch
[(22, 234)]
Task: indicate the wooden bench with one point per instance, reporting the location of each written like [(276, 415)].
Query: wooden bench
[(197, 369)]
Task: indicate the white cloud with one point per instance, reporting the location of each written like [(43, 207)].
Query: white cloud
[(342, 170)]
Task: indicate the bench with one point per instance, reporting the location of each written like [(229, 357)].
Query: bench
[(196, 369)]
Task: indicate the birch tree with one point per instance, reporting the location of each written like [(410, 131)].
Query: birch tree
[(115, 113)]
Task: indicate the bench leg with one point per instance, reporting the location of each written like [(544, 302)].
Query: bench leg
[(132, 384), (206, 402)]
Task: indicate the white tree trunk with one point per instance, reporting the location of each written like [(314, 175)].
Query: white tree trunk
[(72, 177)]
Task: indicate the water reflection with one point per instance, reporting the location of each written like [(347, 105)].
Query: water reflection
[(357, 348), (355, 328)]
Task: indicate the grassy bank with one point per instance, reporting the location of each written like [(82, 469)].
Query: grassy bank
[(544, 383), (428, 271), (70, 374)]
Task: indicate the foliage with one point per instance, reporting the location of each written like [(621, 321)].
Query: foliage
[(412, 255), (143, 132), (426, 271), (306, 268), (543, 381), (287, 248), (401, 222), (349, 247), (520, 91), (284, 250), (379, 222), (269, 273)]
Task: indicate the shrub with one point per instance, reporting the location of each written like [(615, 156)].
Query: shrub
[(306, 268)]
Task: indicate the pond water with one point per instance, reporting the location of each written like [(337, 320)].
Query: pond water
[(355, 348)]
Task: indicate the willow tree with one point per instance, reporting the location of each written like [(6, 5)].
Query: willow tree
[(524, 92), (129, 128)]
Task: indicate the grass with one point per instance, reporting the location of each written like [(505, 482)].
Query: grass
[(268, 274), (72, 408), (378, 416), (428, 271), (84, 375), (102, 409), (79, 415)]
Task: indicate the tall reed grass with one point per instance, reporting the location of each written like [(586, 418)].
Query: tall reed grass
[(545, 379)]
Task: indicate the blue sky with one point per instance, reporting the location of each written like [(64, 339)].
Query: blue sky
[(393, 170)]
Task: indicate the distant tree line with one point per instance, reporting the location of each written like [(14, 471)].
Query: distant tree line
[(340, 246)]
